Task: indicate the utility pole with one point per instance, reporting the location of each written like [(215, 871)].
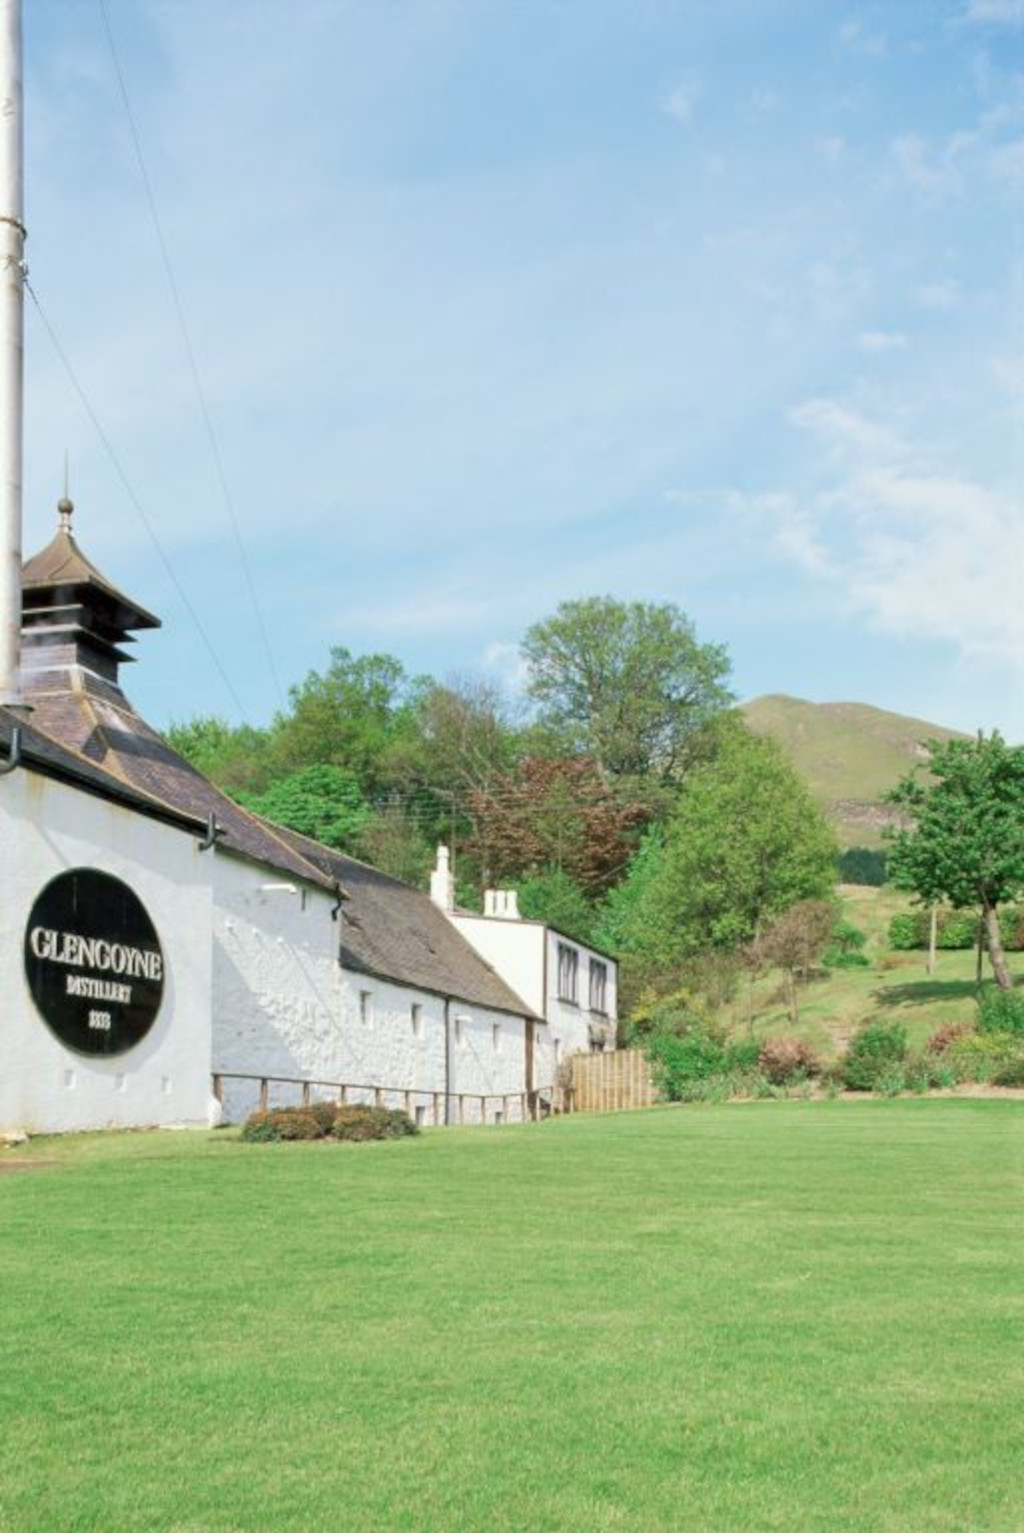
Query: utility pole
[(12, 346)]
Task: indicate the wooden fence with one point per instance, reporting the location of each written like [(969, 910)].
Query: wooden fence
[(612, 1082), (431, 1107)]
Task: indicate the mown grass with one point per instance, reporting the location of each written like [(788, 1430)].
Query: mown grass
[(772, 1316)]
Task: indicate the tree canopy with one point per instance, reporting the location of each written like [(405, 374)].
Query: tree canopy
[(965, 840), (626, 683), (744, 843)]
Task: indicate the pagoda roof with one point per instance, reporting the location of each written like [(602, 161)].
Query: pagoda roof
[(62, 564)]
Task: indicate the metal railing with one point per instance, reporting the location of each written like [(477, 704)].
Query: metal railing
[(455, 1107)]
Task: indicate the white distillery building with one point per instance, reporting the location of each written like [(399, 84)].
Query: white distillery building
[(163, 951)]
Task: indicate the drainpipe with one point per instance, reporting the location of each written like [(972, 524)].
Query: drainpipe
[(12, 320), (448, 1062)]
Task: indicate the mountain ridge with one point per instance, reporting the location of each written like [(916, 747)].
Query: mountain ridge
[(849, 754)]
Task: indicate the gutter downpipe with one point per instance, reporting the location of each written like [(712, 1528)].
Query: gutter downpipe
[(12, 343), (448, 1061)]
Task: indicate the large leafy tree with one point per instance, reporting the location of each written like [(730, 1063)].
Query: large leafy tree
[(554, 816), (965, 839), (360, 714), (745, 842), (626, 683), (323, 802)]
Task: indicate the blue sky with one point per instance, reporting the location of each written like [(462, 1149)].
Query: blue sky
[(500, 302)]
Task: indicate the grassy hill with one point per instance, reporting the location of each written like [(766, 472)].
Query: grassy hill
[(850, 754), (893, 987)]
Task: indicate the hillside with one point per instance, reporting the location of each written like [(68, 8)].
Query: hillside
[(849, 753)]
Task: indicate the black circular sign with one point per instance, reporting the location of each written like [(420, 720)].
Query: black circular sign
[(94, 963)]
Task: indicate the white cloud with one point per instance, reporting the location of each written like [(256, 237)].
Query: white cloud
[(854, 35), (681, 102), (1008, 11), (882, 340), (920, 553), (931, 171), (843, 430), (504, 660), (941, 296)]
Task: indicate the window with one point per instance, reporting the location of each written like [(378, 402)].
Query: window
[(496, 1036), (417, 1020), (366, 1007), (421, 1117), (598, 986), (568, 973), (460, 1029)]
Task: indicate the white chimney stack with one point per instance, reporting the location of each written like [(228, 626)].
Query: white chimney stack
[(442, 884), (12, 321)]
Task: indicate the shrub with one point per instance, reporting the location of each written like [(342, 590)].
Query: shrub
[(786, 1060), (873, 1053), (1000, 1011), (742, 1055), (957, 930), (890, 1080), (980, 1056), (906, 931), (257, 1129), (1010, 1072), (281, 1123), (944, 1037), (324, 1113), (680, 1064), (358, 1123), (862, 865), (925, 1070), (845, 948)]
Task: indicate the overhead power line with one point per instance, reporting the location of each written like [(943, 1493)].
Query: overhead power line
[(186, 339), (134, 499)]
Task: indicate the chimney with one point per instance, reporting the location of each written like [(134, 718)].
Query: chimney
[(12, 320), (442, 884), (502, 904)]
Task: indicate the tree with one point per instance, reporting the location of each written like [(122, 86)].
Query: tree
[(626, 683), (236, 757), (359, 714), (794, 942), (323, 802), (745, 842), (554, 815), (555, 899), (965, 840)]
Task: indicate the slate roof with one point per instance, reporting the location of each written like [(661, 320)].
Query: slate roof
[(96, 720), (393, 931), (56, 760), (387, 928)]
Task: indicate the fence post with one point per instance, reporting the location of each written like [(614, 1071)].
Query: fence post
[(378, 1096), (462, 1109), (437, 1109), (305, 1093)]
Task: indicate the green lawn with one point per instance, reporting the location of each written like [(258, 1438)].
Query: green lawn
[(794, 1316)]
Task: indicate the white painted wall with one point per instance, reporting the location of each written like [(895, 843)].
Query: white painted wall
[(46, 828), (283, 1007), (525, 954), (514, 949)]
